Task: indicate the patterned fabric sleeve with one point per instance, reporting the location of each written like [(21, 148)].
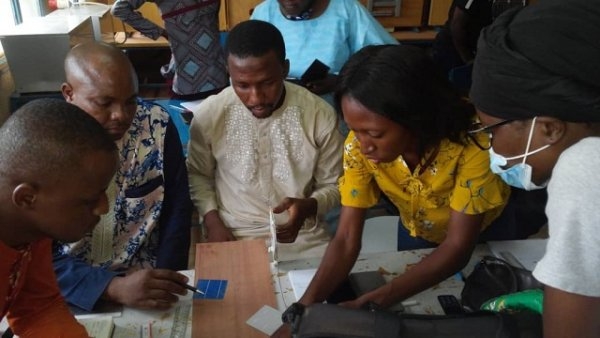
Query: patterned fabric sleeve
[(357, 186), (126, 11), (329, 166), (477, 190)]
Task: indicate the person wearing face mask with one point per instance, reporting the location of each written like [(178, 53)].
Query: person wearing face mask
[(519, 174), (536, 85)]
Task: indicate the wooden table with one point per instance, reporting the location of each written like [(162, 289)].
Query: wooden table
[(134, 40), (245, 265)]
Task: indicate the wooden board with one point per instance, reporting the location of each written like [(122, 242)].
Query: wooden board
[(245, 265)]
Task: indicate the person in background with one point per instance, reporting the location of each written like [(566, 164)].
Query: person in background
[(263, 144), (330, 31), (55, 165), (456, 43), (536, 86), (408, 140), (131, 256), (192, 27)]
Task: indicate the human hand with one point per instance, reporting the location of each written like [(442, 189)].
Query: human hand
[(355, 304), (216, 230), (299, 209), (147, 289), (284, 331), (324, 86)]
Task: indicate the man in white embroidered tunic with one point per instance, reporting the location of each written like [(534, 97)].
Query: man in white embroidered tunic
[(264, 144)]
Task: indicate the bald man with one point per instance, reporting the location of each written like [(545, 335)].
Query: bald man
[(55, 165), (132, 256)]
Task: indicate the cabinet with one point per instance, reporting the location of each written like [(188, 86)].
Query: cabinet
[(438, 12), (35, 50), (235, 11), (410, 14)]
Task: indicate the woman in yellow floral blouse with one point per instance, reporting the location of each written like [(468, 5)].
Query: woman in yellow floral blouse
[(409, 140)]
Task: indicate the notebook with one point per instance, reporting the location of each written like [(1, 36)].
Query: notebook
[(101, 326)]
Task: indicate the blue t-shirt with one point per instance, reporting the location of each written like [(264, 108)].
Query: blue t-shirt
[(340, 31)]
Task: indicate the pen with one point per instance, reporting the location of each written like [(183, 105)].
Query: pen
[(191, 288)]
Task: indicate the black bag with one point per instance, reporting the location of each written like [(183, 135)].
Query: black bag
[(493, 277), (334, 321)]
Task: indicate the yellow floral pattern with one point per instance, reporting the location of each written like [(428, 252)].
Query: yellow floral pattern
[(458, 178)]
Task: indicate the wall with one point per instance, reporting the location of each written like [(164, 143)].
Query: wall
[(6, 88)]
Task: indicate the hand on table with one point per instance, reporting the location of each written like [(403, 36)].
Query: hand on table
[(147, 289)]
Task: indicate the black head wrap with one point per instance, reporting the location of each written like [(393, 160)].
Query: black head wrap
[(543, 60)]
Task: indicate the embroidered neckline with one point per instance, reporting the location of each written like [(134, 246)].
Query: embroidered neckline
[(304, 15)]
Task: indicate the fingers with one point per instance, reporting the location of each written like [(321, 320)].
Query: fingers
[(287, 234), (167, 282), (284, 205), (152, 289)]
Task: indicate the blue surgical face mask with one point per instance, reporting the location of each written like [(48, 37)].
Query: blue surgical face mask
[(518, 175)]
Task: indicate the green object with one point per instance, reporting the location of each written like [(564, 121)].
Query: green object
[(528, 300)]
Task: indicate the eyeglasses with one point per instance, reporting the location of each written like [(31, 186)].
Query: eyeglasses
[(478, 128)]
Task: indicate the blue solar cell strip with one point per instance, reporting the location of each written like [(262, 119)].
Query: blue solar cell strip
[(212, 288)]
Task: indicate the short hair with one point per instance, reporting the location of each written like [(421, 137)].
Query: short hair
[(403, 84), (48, 138), (255, 38)]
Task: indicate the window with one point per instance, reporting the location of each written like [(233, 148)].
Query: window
[(13, 12)]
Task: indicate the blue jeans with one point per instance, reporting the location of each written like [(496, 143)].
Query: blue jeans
[(407, 242)]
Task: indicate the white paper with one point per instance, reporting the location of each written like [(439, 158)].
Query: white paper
[(527, 252), (267, 320), (300, 280)]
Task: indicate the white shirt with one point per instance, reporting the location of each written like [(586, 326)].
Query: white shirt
[(242, 165), (573, 253)]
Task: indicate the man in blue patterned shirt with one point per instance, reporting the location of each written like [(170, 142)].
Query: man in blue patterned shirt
[(131, 255)]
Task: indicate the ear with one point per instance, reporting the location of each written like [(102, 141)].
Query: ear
[(552, 129), (67, 91), (25, 195)]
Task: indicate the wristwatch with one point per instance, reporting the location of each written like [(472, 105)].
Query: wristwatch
[(292, 315)]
